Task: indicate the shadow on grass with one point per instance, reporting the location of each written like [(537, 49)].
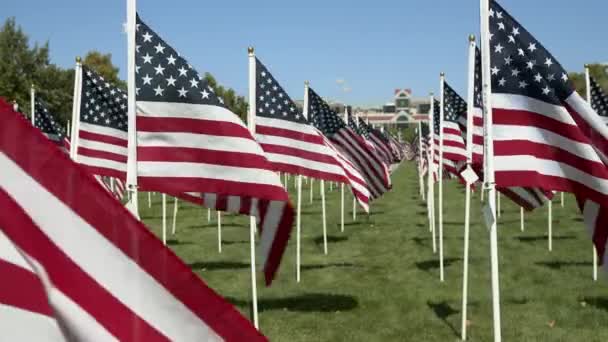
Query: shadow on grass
[(597, 302), (443, 310), (234, 242), (312, 302), (176, 242), (322, 266), (557, 265), (330, 239), (543, 238), (431, 264), (218, 265)]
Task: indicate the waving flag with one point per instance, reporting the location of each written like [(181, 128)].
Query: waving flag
[(374, 137), (47, 124), (454, 112), (350, 144), (599, 99), (76, 265), (189, 141), (292, 144), (101, 142), (545, 134)]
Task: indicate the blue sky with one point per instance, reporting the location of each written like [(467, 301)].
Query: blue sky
[(372, 46)]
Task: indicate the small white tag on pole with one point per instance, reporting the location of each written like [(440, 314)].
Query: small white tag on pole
[(489, 216), (469, 175)]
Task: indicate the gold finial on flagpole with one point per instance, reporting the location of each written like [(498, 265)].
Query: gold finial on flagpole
[(471, 37)]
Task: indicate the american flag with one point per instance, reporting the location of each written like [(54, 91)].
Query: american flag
[(47, 124), (292, 144), (452, 167), (380, 146), (76, 264), (599, 99), (101, 144), (545, 134), (526, 197), (454, 112), (189, 141), (350, 144), (113, 185)]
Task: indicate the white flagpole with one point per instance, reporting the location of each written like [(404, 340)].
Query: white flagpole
[(354, 209), (33, 104), (219, 231), (550, 226), (164, 219), (324, 216), (467, 210), (342, 208), (521, 218), (331, 186), (75, 129), (441, 113), (174, 215), (588, 91), (149, 199), (431, 180), (299, 230), (132, 203), (489, 165), (420, 176), (252, 220), (312, 181), (562, 199)]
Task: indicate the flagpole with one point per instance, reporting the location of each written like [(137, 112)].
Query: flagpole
[(521, 218), (498, 204), (76, 100), (441, 113), (164, 219), (174, 215), (562, 199), (354, 209), (324, 216), (33, 104), (312, 180), (132, 203), (252, 219), (219, 231), (550, 226), (420, 176), (489, 165), (149, 199), (208, 215), (431, 179), (342, 209), (467, 210), (588, 91)]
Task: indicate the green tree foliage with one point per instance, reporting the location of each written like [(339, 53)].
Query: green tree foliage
[(102, 64), (22, 65), (597, 71)]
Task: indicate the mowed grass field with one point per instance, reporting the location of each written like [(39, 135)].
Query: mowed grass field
[(380, 280)]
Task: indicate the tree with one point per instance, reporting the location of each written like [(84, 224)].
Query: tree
[(598, 71), (102, 64), (20, 65)]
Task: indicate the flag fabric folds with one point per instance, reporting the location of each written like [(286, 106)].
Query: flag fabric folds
[(189, 141), (454, 112), (46, 123), (101, 143), (599, 99), (545, 134), (350, 144), (292, 144), (77, 265)]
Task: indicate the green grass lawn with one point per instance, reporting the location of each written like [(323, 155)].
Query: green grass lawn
[(380, 280)]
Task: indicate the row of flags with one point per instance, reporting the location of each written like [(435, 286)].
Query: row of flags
[(181, 140)]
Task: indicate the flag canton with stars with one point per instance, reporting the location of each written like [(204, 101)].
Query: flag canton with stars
[(162, 75), (102, 103), (477, 93), (362, 129), (454, 106), (271, 100), (323, 117), (520, 64), (436, 116), (45, 121), (599, 99)]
